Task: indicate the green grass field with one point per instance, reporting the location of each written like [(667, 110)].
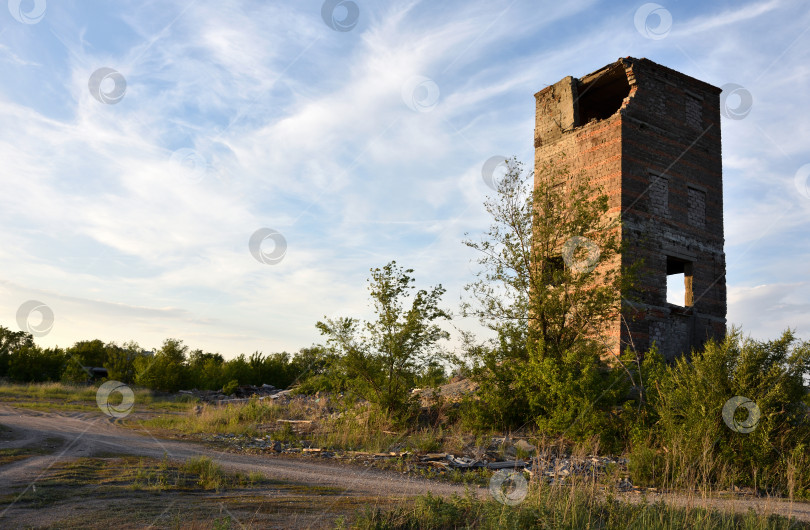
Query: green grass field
[(65, 397)]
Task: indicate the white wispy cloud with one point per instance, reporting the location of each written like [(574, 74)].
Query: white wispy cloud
[(729, 17), (304, 129), (6, 54)]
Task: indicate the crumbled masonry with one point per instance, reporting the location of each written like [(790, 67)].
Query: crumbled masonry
[(650, 137)]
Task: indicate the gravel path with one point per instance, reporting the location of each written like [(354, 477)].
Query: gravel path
[(88, 434)]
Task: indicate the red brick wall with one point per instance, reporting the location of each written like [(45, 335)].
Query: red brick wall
[(668, 125)]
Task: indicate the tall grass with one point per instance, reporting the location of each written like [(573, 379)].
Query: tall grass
[(66, 393), (356, 427), (199, 472), (56, 391), (362, 428), (574, 506), (209, 474), (238, 418)]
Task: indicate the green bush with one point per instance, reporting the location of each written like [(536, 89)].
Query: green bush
[(230, 387), (166, 370), (695, 444), (210, 474)]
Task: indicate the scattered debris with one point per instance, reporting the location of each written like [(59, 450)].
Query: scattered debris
[(452, 392), (503, 452), (242, 393), (552, 468), (523, 445), (282, 394)]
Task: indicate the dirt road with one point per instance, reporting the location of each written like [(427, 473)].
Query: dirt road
[(85, 434), (88, 434)]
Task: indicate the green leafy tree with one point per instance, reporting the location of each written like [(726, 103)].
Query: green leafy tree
[(382, 359), (318, 369), (432, 375), (10, 343), (278, 369), (166, 370), (30, 363), (90, 352), (205, 370), (81, 356), (238, 369), (22, 360), (74, 371), (549, 281), (120, 361)]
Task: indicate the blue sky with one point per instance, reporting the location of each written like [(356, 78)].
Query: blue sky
[(358, 140)]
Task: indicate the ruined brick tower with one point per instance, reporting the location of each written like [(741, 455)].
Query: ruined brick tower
[(650, 136)]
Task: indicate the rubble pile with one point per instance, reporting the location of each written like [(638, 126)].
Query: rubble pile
[(550, 467), (242, 393), (504, 452), (452, 392)]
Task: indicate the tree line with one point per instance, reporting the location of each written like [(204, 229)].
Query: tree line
[(171, 367)]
